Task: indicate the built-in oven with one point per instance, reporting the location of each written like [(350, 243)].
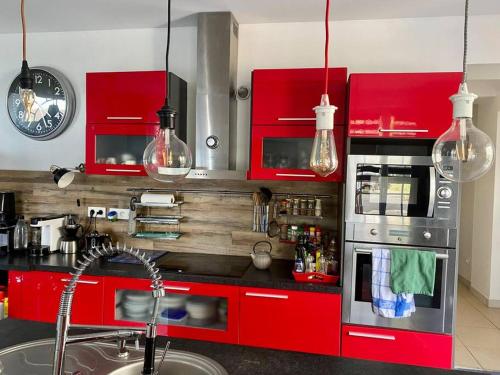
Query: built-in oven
[(433, 314), (399, 190)]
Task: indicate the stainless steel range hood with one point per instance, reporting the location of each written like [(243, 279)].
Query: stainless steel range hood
[(216, 105)]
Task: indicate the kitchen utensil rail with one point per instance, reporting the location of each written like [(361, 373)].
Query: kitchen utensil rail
[(223, 192)]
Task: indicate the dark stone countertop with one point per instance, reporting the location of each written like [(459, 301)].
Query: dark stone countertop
[(240, 360), (277, 277)]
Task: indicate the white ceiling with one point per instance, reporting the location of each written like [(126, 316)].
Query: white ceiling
[(63, 15)]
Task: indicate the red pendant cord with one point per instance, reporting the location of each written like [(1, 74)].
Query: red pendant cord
[(327, 41)]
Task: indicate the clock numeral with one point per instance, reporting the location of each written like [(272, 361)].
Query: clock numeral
[(17, 101), (49, 82), (38, 78), (49, 123), (58, 115), (57, 91), (20, 115), (39, 127)]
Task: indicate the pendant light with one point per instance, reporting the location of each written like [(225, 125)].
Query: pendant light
[(324, 160), (26, 92), (463, 153), (167, 158)]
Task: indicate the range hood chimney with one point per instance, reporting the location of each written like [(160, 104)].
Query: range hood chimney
[(216, 104)]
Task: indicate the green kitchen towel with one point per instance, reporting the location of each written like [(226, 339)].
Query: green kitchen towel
[(413, 271)]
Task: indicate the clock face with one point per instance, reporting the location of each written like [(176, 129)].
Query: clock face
[(52, 110)]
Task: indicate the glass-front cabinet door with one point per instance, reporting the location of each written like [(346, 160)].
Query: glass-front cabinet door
[(283, 152), (117, 149), (188, 310)]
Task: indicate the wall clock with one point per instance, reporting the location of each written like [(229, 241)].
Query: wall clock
[(54, 107)]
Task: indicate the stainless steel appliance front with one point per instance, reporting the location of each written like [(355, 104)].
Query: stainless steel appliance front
[(399, 190), (433, 314)]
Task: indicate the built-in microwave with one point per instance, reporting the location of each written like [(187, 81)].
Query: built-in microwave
[(399, 190)]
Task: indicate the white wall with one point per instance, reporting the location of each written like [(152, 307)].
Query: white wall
[(425, 44)]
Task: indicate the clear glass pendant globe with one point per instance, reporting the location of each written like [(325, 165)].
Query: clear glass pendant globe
[(463, 153), (167, 158), (324, 159)]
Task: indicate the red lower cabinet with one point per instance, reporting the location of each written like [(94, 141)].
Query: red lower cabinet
[(290, 320), (396, 346), (211, 310), (36, 295)]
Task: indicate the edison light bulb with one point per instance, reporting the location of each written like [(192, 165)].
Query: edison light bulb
[(324, 160), (28, 99), (463, 153), (167, 158)]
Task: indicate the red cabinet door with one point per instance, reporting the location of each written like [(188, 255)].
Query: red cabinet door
[(223, 329), (288, 96), (401, 105), (125, 97), (15, 290), (117, 149), (396, 346), (290, 320), (283, 152), (87, 301)]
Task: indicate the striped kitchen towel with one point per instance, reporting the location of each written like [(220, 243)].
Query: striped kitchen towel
[(385, 303)]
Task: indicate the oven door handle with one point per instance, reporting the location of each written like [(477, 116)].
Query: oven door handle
[(368, 251), (432, 191)]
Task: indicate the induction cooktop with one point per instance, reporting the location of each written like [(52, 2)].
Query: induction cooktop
[(204, 264)]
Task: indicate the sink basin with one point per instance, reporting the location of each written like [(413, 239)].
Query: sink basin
[(35, 358), (178, 363)]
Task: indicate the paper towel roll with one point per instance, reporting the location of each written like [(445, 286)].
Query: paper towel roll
[(157, 198)]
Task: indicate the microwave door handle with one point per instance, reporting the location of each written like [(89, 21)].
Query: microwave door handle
[(432, 191)]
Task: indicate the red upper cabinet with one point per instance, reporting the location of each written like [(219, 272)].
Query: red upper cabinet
[(283, 152), (122, 118), (290, 320), (117, 149), (124, 97), (288, 96), (401, 105)]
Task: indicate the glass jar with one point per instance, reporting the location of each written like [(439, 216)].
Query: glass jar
[(296, 207), (293, 236), (303, 207)]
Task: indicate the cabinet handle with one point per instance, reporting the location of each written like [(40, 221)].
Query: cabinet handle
[(178, 288), (372, 336), (123, 118), (296, 118), (81, 282), (265, 295), (295, 175), (404, 130), (123, 170)]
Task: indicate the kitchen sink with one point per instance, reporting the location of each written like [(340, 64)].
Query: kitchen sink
[(35, 358)]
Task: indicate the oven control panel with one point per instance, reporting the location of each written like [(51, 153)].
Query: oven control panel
[(401, 235)]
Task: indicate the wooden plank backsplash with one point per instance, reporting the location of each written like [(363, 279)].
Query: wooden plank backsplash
[(214, 223)]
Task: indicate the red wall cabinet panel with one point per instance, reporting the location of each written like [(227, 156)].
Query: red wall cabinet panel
[(395, 346), (124, 97), (117, 149), (288, 96), (283, 152), (275, 319), (401, 105), (225, 329)]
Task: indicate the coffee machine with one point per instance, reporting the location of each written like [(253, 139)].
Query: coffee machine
[(7, 220), (46, 233)]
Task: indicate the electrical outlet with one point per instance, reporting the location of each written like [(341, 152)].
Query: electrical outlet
[(123, 213), (96, 210)]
